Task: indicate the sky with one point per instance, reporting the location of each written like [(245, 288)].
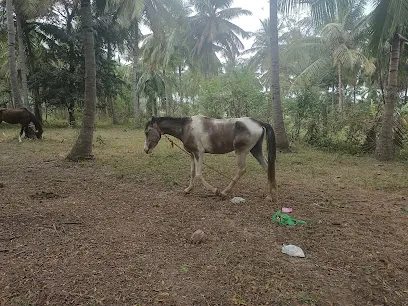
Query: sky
[(260, 11)]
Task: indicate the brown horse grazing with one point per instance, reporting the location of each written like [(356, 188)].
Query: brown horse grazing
[(217, 136), (24, 117)]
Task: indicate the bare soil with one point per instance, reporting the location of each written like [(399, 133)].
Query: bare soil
[(80, 234)]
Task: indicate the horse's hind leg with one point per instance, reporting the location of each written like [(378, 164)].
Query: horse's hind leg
[(241, 158), (199, 165), (192, 176), (256, 152)]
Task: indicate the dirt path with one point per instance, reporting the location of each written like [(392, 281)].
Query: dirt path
[(79, 234)]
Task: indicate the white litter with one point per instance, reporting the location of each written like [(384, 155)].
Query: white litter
[(292, 250), (237, 200)]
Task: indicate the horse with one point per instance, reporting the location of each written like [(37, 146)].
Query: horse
[(24, 117), (201, 135)]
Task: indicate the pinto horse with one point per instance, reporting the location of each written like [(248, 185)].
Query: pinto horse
[(24, 117), (217, 136)]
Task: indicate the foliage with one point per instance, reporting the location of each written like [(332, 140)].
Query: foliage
[(234, 94)]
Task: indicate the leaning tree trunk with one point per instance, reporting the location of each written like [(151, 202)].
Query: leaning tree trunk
[(83, 146), (23, 60), (11, 37), (135, 58), (340, 87), (385, 144), (277, 114)]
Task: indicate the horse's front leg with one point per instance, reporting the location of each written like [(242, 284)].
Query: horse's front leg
[(199, 165), (241, 158), (192, 176)]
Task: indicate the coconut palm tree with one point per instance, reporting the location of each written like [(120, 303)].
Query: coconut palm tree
[(27, 9), (155, 14), (339, 45), (211, 31), (282, 141), (83, 146), (389, 21)]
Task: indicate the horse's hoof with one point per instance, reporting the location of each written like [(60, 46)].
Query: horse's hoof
[(272, 199), (187, 190), (224, 195)]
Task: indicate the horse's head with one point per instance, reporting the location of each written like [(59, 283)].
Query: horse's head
[(153, 135), (39, 133)]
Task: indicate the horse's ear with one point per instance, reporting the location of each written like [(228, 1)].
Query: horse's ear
[(153, 119)]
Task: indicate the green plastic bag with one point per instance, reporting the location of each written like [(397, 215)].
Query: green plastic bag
[(285, 219)]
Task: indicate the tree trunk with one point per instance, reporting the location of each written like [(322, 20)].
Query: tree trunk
[(37, 103), (11, 37), (181, 93), (110, 99), (69, 84), (340, 87), (111, 103), (277, 114), (166, 93), (385, 144), (354, 93), (135, 58), (23, 60), (83, 146)]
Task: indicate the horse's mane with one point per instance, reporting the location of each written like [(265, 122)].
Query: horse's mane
[(181, 120)]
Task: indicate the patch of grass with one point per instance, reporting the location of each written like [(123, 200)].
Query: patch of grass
[(183, 268), (238, 300), (307, 299), (122, 149)]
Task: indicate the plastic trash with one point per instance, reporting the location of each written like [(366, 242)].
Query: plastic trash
[(237, 200), (287, 209), (292, 250), (285, 219)]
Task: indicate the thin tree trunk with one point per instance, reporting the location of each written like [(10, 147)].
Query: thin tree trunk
[(135, 58), (37, 103), (354, 93), (340, 87), (111, 103), (277, 114), (110, 100), (23, 60), (11, 38), (385, 144), (181, 93), (83, 146), (71, 101), (167, 93)]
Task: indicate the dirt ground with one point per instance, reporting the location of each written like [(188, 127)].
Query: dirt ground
[(85, 234)]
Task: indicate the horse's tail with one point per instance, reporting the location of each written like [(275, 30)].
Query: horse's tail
[(271, 148), (36, 122)]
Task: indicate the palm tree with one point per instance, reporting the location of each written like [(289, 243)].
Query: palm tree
[(155, 14), (388, 21), (339, 45), (26, 9), (11, 35), (83, 146), (211, 31), (282, 141)]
